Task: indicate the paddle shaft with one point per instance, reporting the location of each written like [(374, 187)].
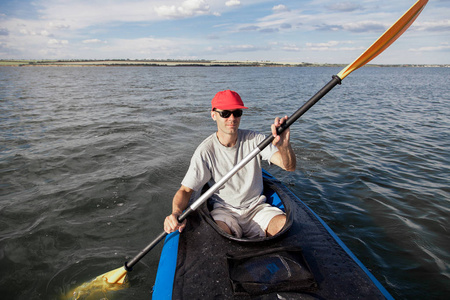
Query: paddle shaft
[(305, 107)]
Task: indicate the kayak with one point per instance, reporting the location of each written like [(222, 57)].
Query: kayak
[(306, 260)]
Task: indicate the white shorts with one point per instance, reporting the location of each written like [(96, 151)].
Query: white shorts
[(251, 222)]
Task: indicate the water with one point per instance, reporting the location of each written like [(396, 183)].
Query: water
[(90, 159)]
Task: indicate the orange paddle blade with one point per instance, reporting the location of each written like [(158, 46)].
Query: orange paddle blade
[(384, 41)]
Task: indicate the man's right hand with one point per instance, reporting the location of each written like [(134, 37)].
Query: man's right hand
[(171, 224), (179, 203)]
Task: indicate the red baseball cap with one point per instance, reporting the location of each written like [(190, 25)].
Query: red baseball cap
[(227, 100)]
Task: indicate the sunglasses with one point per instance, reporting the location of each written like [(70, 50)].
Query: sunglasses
[(227, 113)]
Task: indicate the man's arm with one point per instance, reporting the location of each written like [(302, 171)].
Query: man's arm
[(285, 157), (179, 204)]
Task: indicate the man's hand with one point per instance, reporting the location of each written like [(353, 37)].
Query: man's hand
[(171, 224), (280, 141), (179, 203), (285, 157)]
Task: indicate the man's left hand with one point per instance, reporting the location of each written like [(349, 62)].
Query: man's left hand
[(280, 141)]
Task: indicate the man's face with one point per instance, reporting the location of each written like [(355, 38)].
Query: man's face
[(226, 125)]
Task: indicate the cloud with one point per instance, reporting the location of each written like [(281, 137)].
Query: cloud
[(188, 8), (233, 3), (280, 8), (58, 25), (57, 42), (94, 41), (213, 37), (332, 46), (31, 32), (291, 48), (344, 6), (363, 26), (4, 31), (435, 26), (240, 48), (266, 29), (327, 44), (328, 27), (237, 48), (249, 28), (281, 19), (269, 30), (442, 47)]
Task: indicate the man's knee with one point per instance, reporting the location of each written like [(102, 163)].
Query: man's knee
[(276, 224), (224, 226)]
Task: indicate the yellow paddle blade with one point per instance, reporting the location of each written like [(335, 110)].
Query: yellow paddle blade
[(100, 286), (384, 41), (116, 276)]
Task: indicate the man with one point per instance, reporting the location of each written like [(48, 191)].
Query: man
[(238, 206)]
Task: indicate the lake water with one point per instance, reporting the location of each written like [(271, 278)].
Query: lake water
[(91, 157)]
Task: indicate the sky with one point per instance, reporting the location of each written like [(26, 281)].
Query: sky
[(294, 31)]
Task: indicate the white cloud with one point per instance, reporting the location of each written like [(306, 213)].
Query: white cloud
[(291, 47), (365, 26), (93, 41), (188, 8), (58, 25), (327, 44), (57, 42), (233, 3), (332, 46), (441, 25), (34, 32), (442, 47), (344, 6), (280, 8), (241, 48)]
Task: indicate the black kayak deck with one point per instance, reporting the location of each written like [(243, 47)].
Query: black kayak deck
[(202, 267)]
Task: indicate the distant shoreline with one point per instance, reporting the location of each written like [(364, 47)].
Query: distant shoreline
[(177, 63)]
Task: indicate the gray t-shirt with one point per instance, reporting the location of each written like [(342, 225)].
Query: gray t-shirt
[(212, 160)]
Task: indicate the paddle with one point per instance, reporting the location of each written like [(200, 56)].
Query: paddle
[(117, 276)]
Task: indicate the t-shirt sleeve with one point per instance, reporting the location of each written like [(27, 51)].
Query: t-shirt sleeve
[(198, 173)]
